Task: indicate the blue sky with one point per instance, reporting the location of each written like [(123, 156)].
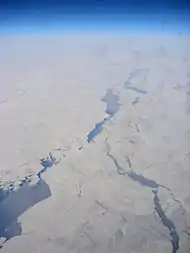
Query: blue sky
[(38, 17)]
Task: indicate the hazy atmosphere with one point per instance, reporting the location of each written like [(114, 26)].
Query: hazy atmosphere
[(94, 130)]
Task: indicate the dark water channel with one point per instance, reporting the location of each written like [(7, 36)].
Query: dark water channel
[(14, 202), (136, 89), (167, 223), (128, 83), (112, 107), (154, 185), (96, 130), (112, 102), (18, 202)]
